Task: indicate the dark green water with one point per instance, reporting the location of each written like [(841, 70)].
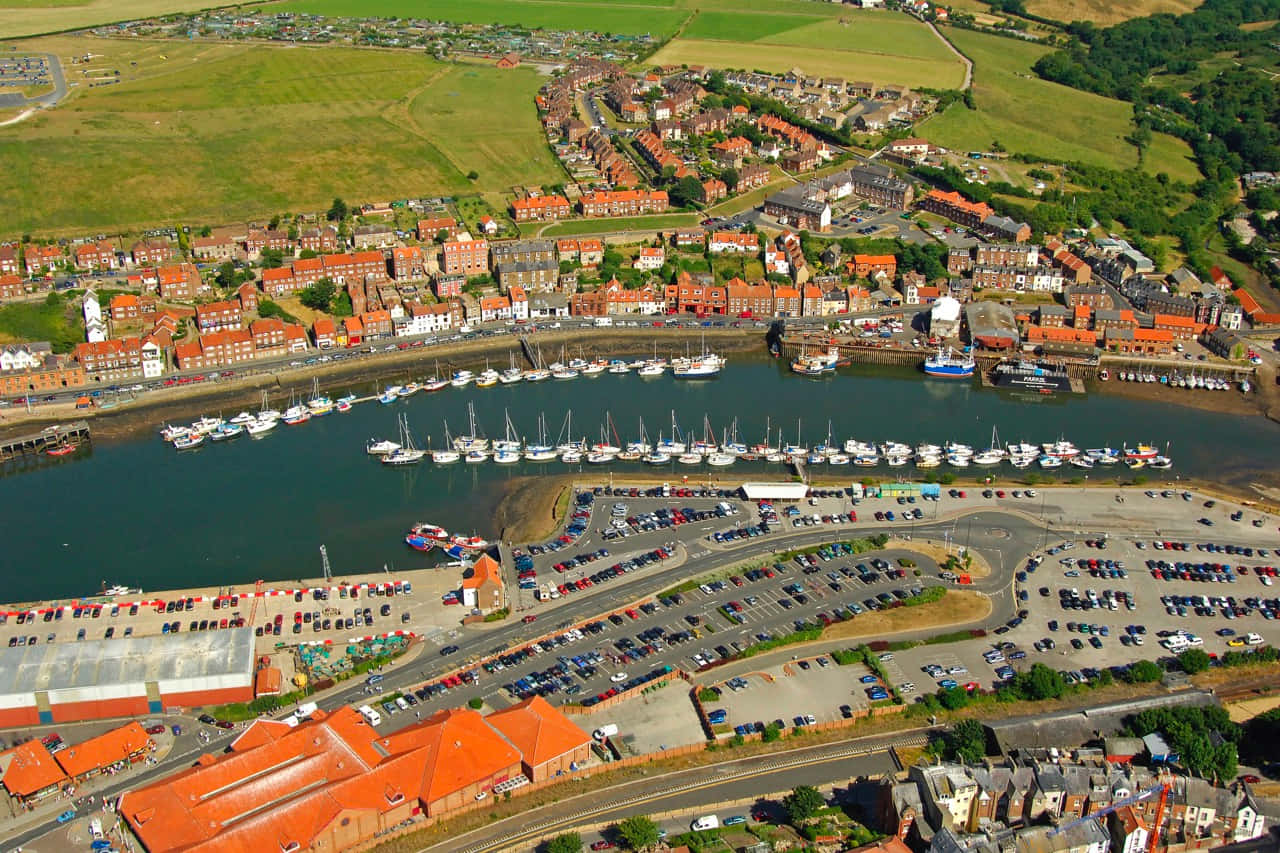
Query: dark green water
[(139, 513)]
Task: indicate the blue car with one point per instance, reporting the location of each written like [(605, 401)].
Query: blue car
[(868, 679), (948, 683), (734, 820), (68, 815)]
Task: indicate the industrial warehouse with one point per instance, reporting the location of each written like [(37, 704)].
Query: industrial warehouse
[(124, 677), (332, 781)]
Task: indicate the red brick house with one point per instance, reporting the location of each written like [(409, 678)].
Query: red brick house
[(181, 283), (408, 263), (540, 208), (96, 256), (8, 259), (124, 306), (247, 293), (216, 316), (866, 266), (429, 228), (325, 333), (41, 258), (748, 300), (377, 324), (623, 202), (686, 297), (152, 252), (279, 282), (319, 239), (466, 257)]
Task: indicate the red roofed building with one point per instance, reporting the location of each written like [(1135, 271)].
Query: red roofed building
[(319, 239), (181, 283), (1182, 328), (41, 258), (686, 297), (1060, 334), (408, 263), (748, 300), (325, 333), (548, 742), (775, 126), (1248, 304), (428, 229), (216, 316), (377, 324), (733, 241), (483, 587), (247, 293), (268, 336), (811, 303), (353, 329), (125, 745), (9, 259), (623, 203), (333, 783), (96, 256), (786, 302), (124, 306), (956, 207), (866, 266), (279, 282), (29, 772), (495, 308), (540, 208), (11, 286), (152, 252), (466, 257)]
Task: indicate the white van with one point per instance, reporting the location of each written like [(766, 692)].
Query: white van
[(705, 822), (371, 716), (603, 321)]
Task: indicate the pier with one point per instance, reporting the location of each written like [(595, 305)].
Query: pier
[(38, 442)]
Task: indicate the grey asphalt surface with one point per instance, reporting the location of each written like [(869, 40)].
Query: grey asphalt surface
[(18, 101)]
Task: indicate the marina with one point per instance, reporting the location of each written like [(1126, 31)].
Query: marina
[(258, 507)]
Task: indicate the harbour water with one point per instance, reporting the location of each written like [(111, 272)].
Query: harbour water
[(138, 512)]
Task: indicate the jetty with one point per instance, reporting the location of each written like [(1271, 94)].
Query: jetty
[(38, 442)]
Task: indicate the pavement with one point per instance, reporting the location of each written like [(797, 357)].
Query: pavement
[(1005, 531)]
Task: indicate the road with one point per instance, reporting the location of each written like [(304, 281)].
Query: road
[(693, 789)]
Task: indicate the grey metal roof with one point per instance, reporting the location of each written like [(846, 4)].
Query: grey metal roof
[(128, 660)]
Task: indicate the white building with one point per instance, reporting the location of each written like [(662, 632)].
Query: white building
[(775, 261), (152, 359), (95, 330), (426, 319), (23, 356), (651, 258), (944, 317)]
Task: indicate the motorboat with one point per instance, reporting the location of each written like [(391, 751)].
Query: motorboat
[(444, 457), (838, 459), (854, 447), (343, 405), (1160, 463), (380, 446), (389, 395), (987, 458), (595, 368), (571, 457), (506, 457), (619, 366), (487, 379), (928, 461), (295, 415), (897, 460), (704, 366), (409, 390), (1060, 449), (470, 543), (242, 418), (597, 457), (720, 460), (1049, 462), (928, 450), (657, 457), (537, 374), (958, 461), (476, 455), (1085, 462), (462, 378), (204, 426), (816, 365), (866, 460), (261, 426), (169, 433), (510, 376), (540, 454), (226, 431), (689, 458), (188, 442), (652, 369)]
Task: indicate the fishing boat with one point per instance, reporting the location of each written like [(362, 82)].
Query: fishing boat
[(462, 378), (1082, 461), (1160, 463), (1047, 461), (62, 449), (418, 542), (389, 395), (1141, 451), (407, 453), (187, 442), (946, 363), (816, 365), (408, 390), (487, 378), (226, 431), (295, 415), (1103, 455), (343, 405), (169, 433), (1061, 449), (380, 446), (469, 543), (204, 425), (261, 426)]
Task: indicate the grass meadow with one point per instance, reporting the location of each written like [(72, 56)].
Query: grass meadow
[(1028, 115), (201, 133)]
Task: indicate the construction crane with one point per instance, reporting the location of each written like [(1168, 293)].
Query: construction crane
[(1154, 835)]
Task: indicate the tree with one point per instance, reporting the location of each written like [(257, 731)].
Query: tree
[(337, 211), (687, 191), (569, 842), (274, 223), (318, 296), (307, 254), (226, 277), (442, 235), (1041, 682), (730, 177), (271, 258), (965, 741), (1193, 661), (802, 803), (771, 733), (638, 832), (206, 231), (473, 175)]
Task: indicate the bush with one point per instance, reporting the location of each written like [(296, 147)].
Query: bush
[(771, 733), (930, 595), (1193, 661), (498, 615), (844, 657), (475, 702), (1144, 671), (708, 694)]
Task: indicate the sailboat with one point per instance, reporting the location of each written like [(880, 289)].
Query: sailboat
[(706, 444), (641, 446), (296, 413), (703, 366), (488, 377), (675, 444), (565, 443), (512, 374), (409, 390), (265, 413), (653, 367), (796, 449), (764, 448), (507, 450), (319, 404), (448, 454), (603, 451), (472, 440), (407, 453), (731, 445), (434, 382), (993, 455), (542, 451)]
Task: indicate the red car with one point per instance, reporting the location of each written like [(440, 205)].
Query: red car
[(156, 729), (602, 845), (529, 618)]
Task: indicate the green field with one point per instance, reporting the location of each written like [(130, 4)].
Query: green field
[(584, 227), (821, 61), (220, 133), (561, 15), (1033, 116), (48, 320), (743, 26)]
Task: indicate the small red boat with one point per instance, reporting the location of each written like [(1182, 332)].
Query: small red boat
[(61, 450)]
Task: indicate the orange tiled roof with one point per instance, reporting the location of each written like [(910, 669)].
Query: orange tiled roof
[(1174, 320), (103, 750), (539, 731), (1153, 335), (876, 260), (1248, 304), (29, 768), (267, 681), (540, 202), (486, 569), (323, 326)]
